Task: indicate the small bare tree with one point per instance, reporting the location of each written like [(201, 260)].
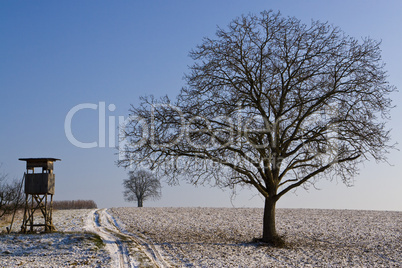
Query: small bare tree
[(11, 197), (271, 103), (140, 186)]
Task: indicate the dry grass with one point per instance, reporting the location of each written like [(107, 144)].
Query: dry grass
[(5, 221)]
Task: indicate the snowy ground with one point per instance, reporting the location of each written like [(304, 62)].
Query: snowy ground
[(213, 237), (208, 237), (70, 246)]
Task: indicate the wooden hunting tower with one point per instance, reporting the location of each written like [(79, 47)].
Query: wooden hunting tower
[(39, 185)]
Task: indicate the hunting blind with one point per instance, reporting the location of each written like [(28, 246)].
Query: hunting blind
[(39, 190)]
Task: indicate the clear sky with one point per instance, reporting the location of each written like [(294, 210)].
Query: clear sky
[(55, 55)]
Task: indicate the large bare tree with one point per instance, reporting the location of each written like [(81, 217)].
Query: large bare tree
[(140, 186), (272, 103)]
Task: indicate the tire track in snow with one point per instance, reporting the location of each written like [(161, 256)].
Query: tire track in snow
[(126, 249), (97, 223), (149, 248)]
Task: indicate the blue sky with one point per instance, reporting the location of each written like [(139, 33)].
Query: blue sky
[(55, 55)]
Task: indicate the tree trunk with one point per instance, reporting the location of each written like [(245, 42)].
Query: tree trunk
[(140, 203), (269, 234)]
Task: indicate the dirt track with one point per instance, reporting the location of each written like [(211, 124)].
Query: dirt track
[(126, 249)]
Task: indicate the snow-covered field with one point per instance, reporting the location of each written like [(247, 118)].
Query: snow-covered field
[(214, 237), (208, 237)]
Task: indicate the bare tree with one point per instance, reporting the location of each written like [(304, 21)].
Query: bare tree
[(11, 197), (271, 103), (140, 186)]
